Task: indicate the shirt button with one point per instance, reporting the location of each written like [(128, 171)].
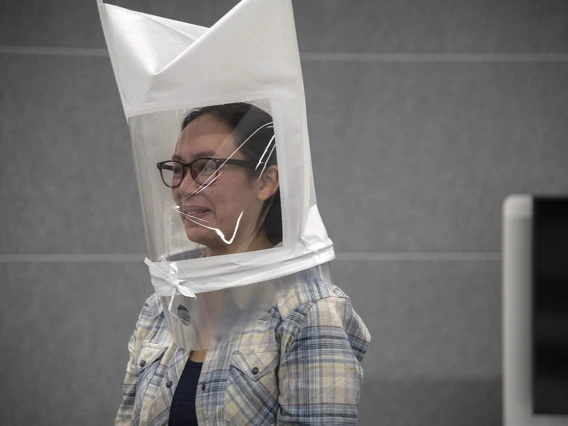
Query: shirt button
[(169, 384), (254, 370), (142, 363), (203, 386)]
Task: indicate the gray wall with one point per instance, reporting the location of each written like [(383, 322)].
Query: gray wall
[(423, 116)]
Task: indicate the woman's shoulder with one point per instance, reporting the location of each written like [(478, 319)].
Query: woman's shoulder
[(151, 324), (306, 293), (314, 309), (151, 310)]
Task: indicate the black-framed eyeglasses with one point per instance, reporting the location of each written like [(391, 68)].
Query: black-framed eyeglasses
[(202, 170)]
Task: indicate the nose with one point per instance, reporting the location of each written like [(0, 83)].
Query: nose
[(188, 186)]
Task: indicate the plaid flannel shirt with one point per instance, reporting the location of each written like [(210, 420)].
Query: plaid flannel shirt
[(299, 364)]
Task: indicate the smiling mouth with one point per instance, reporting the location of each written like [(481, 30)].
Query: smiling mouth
[(198, 213)]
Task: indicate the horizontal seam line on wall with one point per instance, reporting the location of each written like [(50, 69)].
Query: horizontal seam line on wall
[(435, 57), (350, 256), (328, 57), (420, 256), (57, 51)]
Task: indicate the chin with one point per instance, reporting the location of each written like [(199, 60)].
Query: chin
[(204, 236), (199, 235)]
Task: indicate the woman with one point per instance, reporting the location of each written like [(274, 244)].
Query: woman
[(300, 362)]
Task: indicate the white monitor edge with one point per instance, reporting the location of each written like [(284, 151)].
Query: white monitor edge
[(517, 276)]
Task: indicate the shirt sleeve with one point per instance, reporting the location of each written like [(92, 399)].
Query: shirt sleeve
[(320, 373), (144, 326), (124, 415)]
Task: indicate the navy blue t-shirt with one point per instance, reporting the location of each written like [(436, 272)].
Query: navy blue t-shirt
[(182, 412)]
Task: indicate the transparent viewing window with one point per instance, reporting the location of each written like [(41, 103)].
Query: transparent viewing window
[(209, 180)]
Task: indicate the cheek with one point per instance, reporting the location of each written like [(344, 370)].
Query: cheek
[(231, 200), (223, 200)]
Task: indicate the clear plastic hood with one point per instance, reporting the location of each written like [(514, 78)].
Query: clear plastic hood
[(218, 125)]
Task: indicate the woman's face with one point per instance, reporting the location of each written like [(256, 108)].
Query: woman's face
[(219, 204)]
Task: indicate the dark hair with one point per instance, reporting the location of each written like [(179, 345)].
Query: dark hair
[(244, 120)]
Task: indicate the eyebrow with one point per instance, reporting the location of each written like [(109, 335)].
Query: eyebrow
[(201, 154)]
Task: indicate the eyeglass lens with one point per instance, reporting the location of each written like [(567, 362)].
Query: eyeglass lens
[(201, 170)]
